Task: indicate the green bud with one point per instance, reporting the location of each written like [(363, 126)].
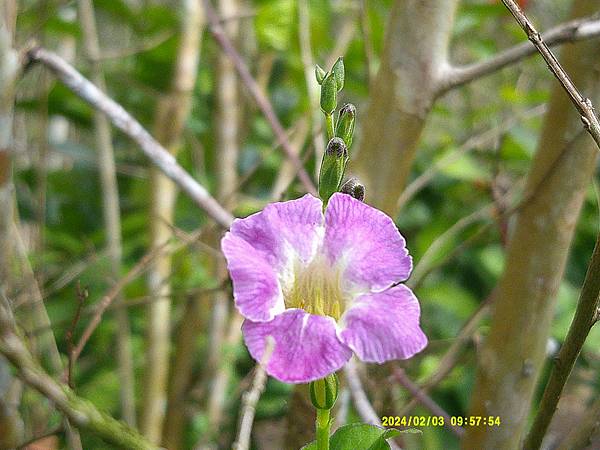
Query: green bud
[(353, 188), (345, 123), (320, 74), (328, 94), (324, 392), (339, 73), (332, 168)]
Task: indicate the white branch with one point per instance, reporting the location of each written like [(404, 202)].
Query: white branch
[(132, 128)]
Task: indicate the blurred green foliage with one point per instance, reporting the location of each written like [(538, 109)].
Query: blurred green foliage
[(449, 295)]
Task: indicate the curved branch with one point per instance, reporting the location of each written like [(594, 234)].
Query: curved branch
[(121, 119), (572, 31), (80, 412)]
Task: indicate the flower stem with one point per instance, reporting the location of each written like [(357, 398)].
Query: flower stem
[(330, 126), (323, 427)]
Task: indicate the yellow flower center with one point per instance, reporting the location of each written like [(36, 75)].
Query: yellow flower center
[(317, 289)]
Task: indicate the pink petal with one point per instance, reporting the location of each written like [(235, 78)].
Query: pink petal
[(383, 326), (366, 242), (256, 290), (293, 225), (261, 249), (306, 346)]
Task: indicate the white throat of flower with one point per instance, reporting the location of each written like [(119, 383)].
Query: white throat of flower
[(316, 288)]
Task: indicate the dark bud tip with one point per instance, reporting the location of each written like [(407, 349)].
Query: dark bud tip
[(336, 147), (353, 188)]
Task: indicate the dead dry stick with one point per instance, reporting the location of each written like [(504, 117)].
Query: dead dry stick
[(583, 104), (132, 128)]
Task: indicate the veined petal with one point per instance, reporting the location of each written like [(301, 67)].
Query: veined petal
[(256, 289), (306, 346), (261, 251), (294, 225), (383, 326), (366, 242)]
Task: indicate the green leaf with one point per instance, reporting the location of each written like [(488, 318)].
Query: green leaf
[(339, 73), (361, 436), (328, 94)]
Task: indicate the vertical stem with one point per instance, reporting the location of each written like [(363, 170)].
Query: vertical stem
[(330, 126), (172, 111), (323, 425), (585, 318), (112, 216), (514, 352)]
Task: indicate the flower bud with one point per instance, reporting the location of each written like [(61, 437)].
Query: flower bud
[(320, 74), (324, 392), (328, 94), (353, 188), (332, 168), (339, 73), (345, 123)]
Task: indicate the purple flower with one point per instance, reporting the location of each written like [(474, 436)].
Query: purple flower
[(322, 286)]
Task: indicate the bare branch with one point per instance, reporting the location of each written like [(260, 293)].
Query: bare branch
[(80, 412), (361, 401), (425, 400), (132, 128), (250, 399), (583, 104), (261, 100), (572, 31), (584, 320)]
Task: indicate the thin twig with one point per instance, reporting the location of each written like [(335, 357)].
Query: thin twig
[(250, 399), (132, 128), (572, 31), (82, 295), (107, 300), (476, 141), (361, 401), (450, 358), (425, 400), (80, 412), (261, 100), (583, 104), (584, 320)]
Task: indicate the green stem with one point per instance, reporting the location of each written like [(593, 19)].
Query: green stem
[(323, 427), (330, 126), (584, 320)]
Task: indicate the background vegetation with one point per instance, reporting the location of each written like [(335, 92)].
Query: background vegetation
[(492, 182)]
